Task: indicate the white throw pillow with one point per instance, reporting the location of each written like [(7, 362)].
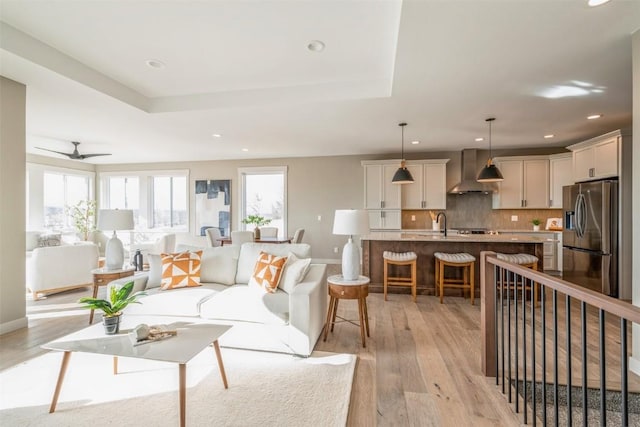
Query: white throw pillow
[(294, 271), (155, 271)]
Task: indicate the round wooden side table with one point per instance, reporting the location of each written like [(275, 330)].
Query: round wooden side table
[(102, 277), (348, 289)]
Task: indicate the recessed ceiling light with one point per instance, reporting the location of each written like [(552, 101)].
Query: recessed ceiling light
[(594, 116), (549, 136), (216, 135), (315, 46), (594, 3), (245, 149), (415, 142), (154, 63), (479, 139)]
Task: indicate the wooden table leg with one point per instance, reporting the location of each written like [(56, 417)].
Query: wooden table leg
[(115, 365), (335, 313), (182, 369), (329, 314), (95, 295), (361, 315), (63, 370), (216, 346), (366, 315)]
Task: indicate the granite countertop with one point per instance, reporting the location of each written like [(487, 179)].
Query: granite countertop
[(431, 237)]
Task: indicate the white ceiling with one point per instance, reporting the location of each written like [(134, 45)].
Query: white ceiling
[(242, 69)]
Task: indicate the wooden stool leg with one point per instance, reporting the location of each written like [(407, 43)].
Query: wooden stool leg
[(473, 284), (465, 281), (386, 278), (435, 281), (414, 280), (441, 278)]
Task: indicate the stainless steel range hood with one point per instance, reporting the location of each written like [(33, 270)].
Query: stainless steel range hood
[(468, 183)]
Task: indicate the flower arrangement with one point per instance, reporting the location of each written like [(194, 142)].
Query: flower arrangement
[(536, 221)]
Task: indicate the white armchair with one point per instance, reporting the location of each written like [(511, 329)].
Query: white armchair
[(164, 244)]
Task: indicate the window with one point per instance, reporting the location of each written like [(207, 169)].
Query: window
[(170, 202), (263, 192), (159, 199), (62, 190)]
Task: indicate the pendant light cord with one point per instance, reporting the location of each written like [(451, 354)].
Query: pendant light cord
[(402, 149), (490, 120)]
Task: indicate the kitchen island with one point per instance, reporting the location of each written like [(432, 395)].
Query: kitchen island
[(426, 244)]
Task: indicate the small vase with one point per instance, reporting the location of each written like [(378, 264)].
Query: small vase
[(256, 233), (536, 228), (435, 225), (111, 324)]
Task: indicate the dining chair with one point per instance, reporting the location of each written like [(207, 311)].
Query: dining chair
[(240, 237), (268, 231), (213, 234), (297, 236)]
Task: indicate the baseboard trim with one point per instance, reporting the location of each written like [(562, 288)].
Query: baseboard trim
[(14, 325)]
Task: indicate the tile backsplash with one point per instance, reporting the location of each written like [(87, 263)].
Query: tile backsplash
[(474, 210)]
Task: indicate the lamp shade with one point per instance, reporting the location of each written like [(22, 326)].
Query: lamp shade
[(115, 219), (351, 222), (490, 173), (402, 176)]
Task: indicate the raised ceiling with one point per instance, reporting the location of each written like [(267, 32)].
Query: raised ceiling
[(242, 69)]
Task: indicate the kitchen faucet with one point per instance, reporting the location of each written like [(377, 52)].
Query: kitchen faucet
[(445, 221)]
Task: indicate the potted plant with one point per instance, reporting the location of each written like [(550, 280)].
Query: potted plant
[(112, 308), (257, 221), (536, 224), (83, 215)]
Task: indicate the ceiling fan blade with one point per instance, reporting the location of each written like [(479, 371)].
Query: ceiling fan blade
[(86, 156), (54, 151)]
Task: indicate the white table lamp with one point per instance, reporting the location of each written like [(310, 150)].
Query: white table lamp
[(351, 222), (115, 219)]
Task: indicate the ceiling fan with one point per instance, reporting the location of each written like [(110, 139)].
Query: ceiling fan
[(75, 155)]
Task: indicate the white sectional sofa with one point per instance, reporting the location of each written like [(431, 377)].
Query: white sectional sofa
[(280, 321)]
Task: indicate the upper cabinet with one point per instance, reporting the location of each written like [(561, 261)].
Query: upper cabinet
[(379, 192), (596, 158), (429, 188), (525, 185), (561, 174)]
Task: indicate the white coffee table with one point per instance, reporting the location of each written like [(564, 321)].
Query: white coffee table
[(193, 336)]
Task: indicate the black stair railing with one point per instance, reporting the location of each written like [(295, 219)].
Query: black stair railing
[(515, 345)]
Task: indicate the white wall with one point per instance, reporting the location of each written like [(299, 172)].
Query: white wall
[(12, 201)]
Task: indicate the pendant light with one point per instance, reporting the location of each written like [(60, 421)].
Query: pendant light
[(402, 175), (490, 173)]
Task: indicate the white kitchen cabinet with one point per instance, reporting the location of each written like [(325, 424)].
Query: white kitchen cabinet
[(596, 158), (560, 174), (525, 184), (429, 189), (379, 192), (385, 219)]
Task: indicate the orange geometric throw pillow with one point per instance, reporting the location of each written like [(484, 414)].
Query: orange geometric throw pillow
[(180, 270), (268, 271)]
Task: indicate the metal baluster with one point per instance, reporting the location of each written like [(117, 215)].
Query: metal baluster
[(603, 372), (502, 322), (509, 330), (555, 355), (495, 300), (543, 309), (624, 374), (583, 316), (533, 358), (515, 318), (568, 325), (524, 348)]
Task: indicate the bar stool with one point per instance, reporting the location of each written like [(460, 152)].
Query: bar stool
[(400, 259), (524, 260), (461, 260)]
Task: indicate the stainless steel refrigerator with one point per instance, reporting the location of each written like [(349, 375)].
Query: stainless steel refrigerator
[(590, 236)]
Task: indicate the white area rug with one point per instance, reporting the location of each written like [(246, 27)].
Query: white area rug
[(265, 389)]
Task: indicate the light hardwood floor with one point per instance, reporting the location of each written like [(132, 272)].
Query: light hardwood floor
[(421, 366)]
